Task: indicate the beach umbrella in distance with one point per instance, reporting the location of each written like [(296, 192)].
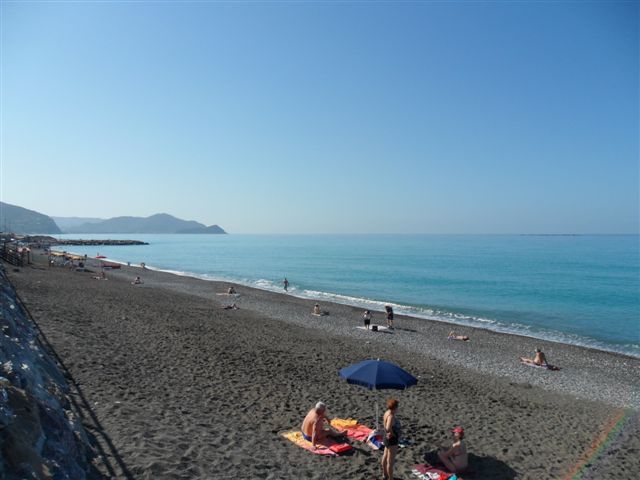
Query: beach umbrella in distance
[(378, 375)]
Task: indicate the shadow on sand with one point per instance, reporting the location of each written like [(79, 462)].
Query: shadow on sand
[(96, 433), (480, 467)]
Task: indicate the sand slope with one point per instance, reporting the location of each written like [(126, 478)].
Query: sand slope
[(184, 389)]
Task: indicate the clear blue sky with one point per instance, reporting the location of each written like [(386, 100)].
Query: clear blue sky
[(333, 117)]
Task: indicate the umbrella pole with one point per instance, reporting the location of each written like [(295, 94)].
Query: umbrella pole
[(377, 415)]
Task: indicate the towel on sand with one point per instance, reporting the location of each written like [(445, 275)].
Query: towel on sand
[(352, 428), (425, 471), (327, 444)]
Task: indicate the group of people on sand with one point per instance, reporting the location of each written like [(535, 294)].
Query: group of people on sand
[(316, 427), (367, 316)]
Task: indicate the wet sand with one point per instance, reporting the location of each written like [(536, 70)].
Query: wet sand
[(185, 389)]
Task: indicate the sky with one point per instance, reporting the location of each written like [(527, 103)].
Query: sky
[(326, 117)]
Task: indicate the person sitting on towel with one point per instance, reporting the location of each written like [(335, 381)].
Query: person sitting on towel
[(317, 426), (540, 359), (456, 458)]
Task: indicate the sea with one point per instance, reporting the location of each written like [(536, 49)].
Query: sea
[(576, 289)]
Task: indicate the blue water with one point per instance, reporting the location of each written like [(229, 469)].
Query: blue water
[(582, 290)]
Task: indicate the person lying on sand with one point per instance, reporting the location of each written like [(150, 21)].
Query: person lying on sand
[(137, 281), (102, 276), (453, 336), (456, 458), (540, 359), (231, 307), (317, 426)]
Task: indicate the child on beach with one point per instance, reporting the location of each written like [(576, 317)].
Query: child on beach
[(366, 317)]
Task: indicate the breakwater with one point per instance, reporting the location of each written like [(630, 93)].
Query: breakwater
[(97, 242)]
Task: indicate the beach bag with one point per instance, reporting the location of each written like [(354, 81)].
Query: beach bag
[(340, 447)]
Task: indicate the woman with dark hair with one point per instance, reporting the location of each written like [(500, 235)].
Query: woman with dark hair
[(389, 311), (391, 438)]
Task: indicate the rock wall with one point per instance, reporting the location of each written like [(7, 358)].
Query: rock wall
[(40, 436)]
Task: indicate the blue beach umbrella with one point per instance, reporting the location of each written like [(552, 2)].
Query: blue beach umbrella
[(378, 375)]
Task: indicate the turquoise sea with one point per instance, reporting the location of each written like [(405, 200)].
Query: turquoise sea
[(583, 290)]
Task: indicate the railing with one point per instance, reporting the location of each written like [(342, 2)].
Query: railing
[(13, 257)]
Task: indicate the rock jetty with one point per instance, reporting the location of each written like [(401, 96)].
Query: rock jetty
[(44, 241)]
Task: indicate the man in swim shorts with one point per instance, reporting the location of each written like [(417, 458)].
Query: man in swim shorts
[(316, 425)]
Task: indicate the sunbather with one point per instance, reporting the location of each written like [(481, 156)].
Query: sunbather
[(456, 458), (317, 426), (453, 336), (316, 310), (540, 359), (137, 281), (231, 291), (231, 307)]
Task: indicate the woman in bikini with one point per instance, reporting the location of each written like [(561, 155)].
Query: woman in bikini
[(391, 438), (456, 458)]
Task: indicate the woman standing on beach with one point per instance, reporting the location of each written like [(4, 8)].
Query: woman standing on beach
[(389, 311), (391, 438)]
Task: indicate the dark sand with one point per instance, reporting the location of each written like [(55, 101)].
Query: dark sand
[(184, 389)]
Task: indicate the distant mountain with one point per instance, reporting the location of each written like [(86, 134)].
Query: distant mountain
[(70, 222), (20, 220), (211, 229), (159, 223)]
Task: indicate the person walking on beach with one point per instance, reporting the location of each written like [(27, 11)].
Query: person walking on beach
[(389, 311), (456, 458), (391, 438), (285, 282), (366, 316)]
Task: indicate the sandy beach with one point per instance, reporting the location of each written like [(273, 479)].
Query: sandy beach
[(181, 388)]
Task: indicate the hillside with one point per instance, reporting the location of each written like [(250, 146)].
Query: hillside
[(21, 220), (65, 223), (159, 223)]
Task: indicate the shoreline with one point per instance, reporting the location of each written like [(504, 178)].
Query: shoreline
[(399, 310), (586, 373), (185, 389)]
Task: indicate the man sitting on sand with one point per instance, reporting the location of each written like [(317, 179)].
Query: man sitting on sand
[(453, 336), (231, 291), (456, 458), (540, 359), (317, 426), (137, 281), (316, 310)]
